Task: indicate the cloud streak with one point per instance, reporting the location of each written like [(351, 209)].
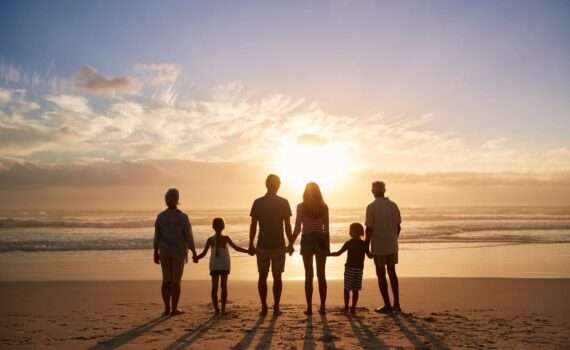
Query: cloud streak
[(88, 80)]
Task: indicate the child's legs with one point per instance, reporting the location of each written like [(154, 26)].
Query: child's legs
[(215, 281), (346, 298), (224, 291), (354, 298)]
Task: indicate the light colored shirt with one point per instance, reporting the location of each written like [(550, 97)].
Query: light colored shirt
[(383, 217), (173, 234)]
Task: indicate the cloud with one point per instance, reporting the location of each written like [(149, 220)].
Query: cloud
[(77, 104), (5, 96), (159, 73), (88, 80)]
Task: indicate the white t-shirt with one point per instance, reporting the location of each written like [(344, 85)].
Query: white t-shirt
[(383, 216)]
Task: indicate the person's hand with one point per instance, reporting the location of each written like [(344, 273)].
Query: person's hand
[(290, 249), (156, 257), (195, 259), (251, 250), (370, 256)]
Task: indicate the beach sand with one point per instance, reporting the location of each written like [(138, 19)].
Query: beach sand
[(439, 313)]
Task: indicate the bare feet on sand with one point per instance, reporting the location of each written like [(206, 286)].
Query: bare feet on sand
[(277, 311), (384, 310), (176, 312), (263, 311)]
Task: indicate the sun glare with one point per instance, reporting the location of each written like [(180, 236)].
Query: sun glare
[(327, 164)]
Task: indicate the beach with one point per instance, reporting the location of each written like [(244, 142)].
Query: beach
[(469, 278), (438, 313)]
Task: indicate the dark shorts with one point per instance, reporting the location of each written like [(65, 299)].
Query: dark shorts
[(353, 278), (274, 258), (172, 269), (386, 259), (219, 273), (314, 243)]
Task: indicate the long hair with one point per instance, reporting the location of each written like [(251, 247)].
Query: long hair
[(313, 202)]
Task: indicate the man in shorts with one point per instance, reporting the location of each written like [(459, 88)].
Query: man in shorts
[(383, 226), (272, 213), (172, 239)]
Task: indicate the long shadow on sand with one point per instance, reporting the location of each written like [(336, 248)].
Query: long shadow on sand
[(265, 340), (328, 337), (412, 335), (365, 336), (131, 334), (187, 339), (245, 342), (309, 339)]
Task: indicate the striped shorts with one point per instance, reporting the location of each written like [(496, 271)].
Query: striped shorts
[(352, 278)]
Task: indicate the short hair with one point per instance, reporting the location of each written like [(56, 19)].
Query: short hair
[(357, 228), (272, 180), (218, 224), (377, 184), (171, 197)]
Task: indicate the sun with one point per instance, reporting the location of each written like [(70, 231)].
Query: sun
[(300, 161)]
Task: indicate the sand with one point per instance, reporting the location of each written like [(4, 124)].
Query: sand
[(439, 313)]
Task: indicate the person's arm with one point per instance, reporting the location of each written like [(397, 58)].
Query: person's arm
[(287, 218), (340, 251), (326, 228), (399, 219), (369, 224), (368, 253), (252, 233), (156, 242), (204, 252), (237, 248), (189, 237), (297, 228)]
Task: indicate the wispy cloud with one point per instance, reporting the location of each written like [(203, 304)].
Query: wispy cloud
[(88, 80)]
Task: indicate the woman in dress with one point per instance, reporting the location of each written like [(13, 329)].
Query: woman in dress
[(312, 221)]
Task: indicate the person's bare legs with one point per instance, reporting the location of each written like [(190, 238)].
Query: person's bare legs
[(383, 285), (308, 262), (262, 289), (165, 291), (175, 295), (395, 288), (214, 295), (354, 300), (346, 299), (277, 288), (321, 262), (224, 292)]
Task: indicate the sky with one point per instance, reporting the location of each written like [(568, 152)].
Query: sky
[(450, 102)]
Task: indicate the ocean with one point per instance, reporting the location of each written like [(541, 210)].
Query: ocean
[(429, 235)]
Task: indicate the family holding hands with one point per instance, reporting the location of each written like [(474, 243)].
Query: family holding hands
[(271, 214)]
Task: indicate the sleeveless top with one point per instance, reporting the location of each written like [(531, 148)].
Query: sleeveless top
[(313, 224), (221, 260)]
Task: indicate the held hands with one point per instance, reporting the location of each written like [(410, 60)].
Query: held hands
[(290, 249), (195, 259), (251, 250)]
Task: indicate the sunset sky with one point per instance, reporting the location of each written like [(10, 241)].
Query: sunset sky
[(105, 104)]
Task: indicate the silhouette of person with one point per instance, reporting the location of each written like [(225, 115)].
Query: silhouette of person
[(383, 226), (172, 239), (312, 220), (273, 214)]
